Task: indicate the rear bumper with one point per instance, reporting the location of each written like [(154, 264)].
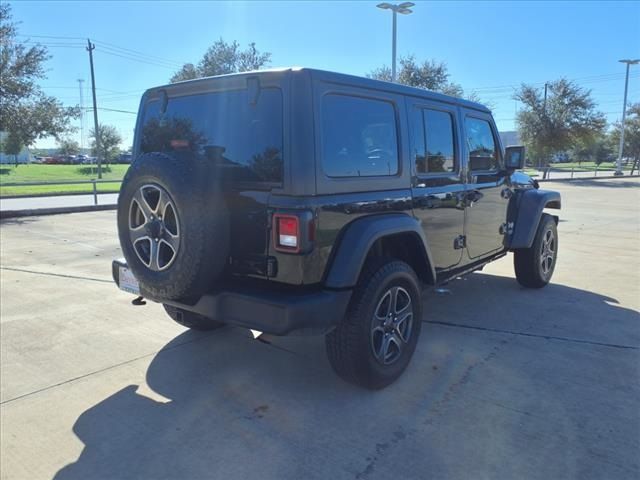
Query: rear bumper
[(268, 311)]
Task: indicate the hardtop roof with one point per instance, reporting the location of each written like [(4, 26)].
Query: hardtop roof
[(342, 78)]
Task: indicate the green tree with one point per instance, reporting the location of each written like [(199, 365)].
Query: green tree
[(430, 75), (631, 134), (67, 146), (11, 145), (222, 58), (593, 149), (110, 141), (568, 118), (26, 113)]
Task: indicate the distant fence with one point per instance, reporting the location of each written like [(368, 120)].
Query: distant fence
[(560, 173), (94, 184)]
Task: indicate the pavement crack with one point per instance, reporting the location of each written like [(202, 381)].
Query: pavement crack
[(381, 450), (524, 334), (62, 275)]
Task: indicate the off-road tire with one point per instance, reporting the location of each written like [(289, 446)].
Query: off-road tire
[(527, 261), (349, 345), (191, 320), (202, 217)]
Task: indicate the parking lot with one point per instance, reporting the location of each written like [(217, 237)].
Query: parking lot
[(505, 383)]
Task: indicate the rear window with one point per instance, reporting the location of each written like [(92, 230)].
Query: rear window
[(358, 137), (225, 127)]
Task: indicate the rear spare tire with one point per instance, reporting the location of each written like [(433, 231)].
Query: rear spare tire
[(173, 225)]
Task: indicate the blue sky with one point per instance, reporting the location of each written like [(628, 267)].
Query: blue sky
[(489, 47)]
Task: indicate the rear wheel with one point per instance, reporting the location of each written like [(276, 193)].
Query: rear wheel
[(375, 341), (534, 266), (191, 320)]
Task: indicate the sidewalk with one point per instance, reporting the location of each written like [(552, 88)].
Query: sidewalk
[(62, 202)]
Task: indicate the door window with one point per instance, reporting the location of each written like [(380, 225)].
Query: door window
[(483, 153), (434, 145), (358, 137)]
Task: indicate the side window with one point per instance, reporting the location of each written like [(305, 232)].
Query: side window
[(434, 146), (358, 137), (483, 153)]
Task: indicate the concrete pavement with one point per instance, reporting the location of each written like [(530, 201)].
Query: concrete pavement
[(505, 382)]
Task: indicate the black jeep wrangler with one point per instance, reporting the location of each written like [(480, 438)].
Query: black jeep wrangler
[(309, 201)]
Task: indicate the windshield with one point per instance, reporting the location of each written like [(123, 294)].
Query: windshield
[(224, 127)]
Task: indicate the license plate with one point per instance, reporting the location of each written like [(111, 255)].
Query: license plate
[(128, 282)]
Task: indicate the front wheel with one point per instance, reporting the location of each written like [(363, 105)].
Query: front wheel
[(534, 266), (373, 344)]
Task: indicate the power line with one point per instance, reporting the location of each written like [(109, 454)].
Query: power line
[(50, 36), (112, 110), (101, 49), (136, 52), (108, 46), (607, 77)]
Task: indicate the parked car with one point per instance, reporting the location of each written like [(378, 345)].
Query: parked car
[(323, 203), (53, 160), (125, 158)]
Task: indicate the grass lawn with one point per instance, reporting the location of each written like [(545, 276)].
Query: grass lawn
[(53, 173)]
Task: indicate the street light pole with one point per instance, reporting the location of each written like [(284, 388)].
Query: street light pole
[(393, 48), (624, 114), (403, 9)]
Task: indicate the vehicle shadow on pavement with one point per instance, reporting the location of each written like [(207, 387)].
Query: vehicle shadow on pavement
[(18, 220), (237, 407)]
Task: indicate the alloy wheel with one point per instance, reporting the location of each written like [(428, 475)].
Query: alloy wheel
[(548, 252), (392, 325), (154, 228)]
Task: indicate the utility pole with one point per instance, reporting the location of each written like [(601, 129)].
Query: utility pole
[(80, 81), (403, 9), (90, 48), (546, 85), (624, 114)]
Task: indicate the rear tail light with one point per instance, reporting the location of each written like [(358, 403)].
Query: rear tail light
[(287, 233)]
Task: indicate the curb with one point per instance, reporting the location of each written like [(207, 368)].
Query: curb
[(54, 211)]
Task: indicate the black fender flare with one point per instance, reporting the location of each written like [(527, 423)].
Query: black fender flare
[(357, 238), (529, 211)]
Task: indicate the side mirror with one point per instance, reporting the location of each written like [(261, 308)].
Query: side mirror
[(514, 158)]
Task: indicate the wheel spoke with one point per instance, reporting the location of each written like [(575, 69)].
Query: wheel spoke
[(172, 240), (138, 233), (384, 347), (154, 252), (382, 313), (142, 204), (403, 326), (163, 201), (394, 300), (393, 338)]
